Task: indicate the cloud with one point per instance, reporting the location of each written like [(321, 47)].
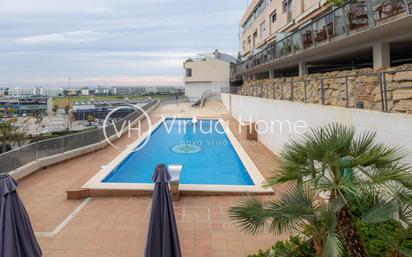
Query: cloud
[(80, 81), (64, 37), (145, 39)]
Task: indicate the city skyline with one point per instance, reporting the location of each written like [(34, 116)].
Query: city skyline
[(127, 43)]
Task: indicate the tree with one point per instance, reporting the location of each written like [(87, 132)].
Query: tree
[(342, 167), (38, 118), (5, 129), (298, 209), (90, 118), (9, 133), (336, 3), (17, 136), (55, 108), (11, 110)]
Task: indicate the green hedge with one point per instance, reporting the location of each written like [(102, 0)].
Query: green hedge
[(295, 246)]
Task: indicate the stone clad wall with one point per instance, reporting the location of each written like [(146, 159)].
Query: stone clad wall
[(364, 85)]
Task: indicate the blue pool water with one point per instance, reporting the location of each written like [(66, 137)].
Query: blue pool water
[(207, 156)]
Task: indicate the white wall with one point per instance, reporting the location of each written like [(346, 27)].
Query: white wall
[(392, 129), (208, 70), (195, 90)]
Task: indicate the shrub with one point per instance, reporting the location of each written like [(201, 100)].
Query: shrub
[(295, 246)]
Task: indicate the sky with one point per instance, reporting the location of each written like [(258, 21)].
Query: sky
[(111, 42)]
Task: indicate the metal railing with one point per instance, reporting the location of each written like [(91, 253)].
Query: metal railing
[(351, 18), (26, 154), (387, 91)]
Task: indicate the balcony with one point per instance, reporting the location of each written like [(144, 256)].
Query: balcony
[(354, 17)]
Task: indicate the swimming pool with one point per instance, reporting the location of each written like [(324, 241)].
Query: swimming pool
[(214, 162), (202, 147)]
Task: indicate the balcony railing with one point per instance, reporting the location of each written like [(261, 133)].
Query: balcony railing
[(349, 19)]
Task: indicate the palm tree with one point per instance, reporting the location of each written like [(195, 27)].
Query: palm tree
[(336, 162), (299, 209), (8, 133), (17, 136), (55, 108), (90, 118), (343, 167), (38, 119), (5, 129)]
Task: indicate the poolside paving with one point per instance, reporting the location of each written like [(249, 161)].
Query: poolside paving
[(117, 226)]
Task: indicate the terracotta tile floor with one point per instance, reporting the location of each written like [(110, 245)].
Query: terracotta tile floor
[(117, 226)]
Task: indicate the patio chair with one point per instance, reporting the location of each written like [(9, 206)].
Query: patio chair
[(394, 7), (321, 35), (389, 8), (330, 30), (358, 16), (307, 39)]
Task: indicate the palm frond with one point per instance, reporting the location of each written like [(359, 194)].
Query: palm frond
[(295, 202), (292, 210), (333, 246), (380, 211), (250, 215)]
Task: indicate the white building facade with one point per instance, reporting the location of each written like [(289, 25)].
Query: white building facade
[(209, 72)]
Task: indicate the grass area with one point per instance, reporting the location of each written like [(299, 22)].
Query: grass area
[(63, 101)]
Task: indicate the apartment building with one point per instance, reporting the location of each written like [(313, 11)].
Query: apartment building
[(19, 91), (208, 72), (296, 37), (52, 92), (266, 21)]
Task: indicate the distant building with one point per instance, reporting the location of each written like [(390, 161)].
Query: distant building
[(21, 91), (72, 92), (124, 91), (150, 90), (26, 105), (100, 109), (84, 91), (52, 92), (3, 91), (102, 91), (208, 72), (165, 90), (36, 91)]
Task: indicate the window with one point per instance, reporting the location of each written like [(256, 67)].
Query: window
[(287, 7), (263, 30), (260, 7), (274, 16), (249, 40), (284, 6), (188, 72)]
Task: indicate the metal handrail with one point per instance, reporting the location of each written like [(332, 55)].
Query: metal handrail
[(14, 154), (285, 83)]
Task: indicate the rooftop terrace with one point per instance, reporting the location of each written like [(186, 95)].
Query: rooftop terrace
[(117, 226)]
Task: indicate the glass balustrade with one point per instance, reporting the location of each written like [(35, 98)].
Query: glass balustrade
[(349, 19)]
